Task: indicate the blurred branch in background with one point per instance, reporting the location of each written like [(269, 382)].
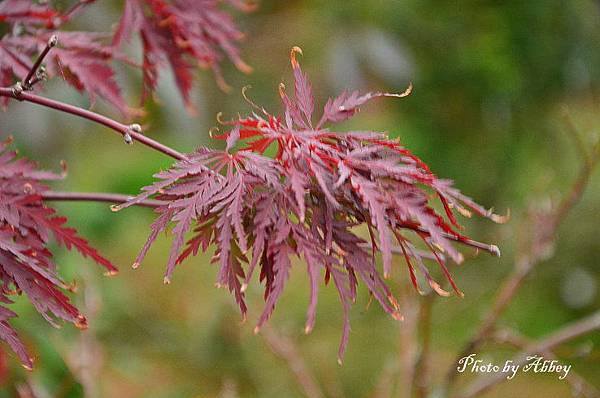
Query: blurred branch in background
[(540, 248), (421, 375), (567, 333), (579, 385), (285, 348)]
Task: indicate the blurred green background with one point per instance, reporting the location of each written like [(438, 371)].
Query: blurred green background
[(493, 82)]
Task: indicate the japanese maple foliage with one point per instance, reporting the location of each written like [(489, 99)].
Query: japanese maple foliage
[(26, 264), (83, 59), (311, 200), (184, 34)]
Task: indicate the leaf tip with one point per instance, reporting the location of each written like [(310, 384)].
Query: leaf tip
[(495, 250), (111, 272), (398, 316), (498, 219), (28, 366), (293, 52), (81, 322)]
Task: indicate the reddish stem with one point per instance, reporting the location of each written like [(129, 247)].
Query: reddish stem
[(97, 197), (120, 128)]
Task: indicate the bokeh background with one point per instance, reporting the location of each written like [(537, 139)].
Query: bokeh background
[(495, 84)]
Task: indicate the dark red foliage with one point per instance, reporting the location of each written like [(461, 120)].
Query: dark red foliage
[(26, 265), (315, 199), (184, 34), (82, 58), (26, 11)]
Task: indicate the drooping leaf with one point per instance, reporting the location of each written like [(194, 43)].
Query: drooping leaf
[(182, 34), (26, 265)]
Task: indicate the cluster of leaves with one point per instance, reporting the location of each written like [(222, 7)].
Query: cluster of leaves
[(182, 33), (310, 200), (26, 265), (185, 34)]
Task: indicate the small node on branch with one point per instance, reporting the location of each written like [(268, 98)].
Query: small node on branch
[(37, 72), (53, 41), (136, 128), (17, 90), (133, 128), (39, 77)]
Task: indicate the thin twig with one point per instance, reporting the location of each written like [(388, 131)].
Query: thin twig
[(127, 131), (526, 263), (580, 386), (97, 197), (286, 349), (421, 377), (27, 82), (567, 333), (385, 384), (407, 333)]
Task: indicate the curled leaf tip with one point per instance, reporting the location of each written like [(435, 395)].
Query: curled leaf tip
[(293, 52), (495, 250), (212, 131), (438, 289), (221, 121), (281, 90), (403, 94)]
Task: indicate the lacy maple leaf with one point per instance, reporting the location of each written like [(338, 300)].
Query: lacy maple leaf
[(184, 34), (83, 59), (313, 199), (26, 265)]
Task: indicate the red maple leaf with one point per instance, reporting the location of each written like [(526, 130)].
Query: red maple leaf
[(26, 265), (182, 34)]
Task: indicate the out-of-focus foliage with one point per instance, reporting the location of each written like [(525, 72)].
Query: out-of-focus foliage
[(493, 81)]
